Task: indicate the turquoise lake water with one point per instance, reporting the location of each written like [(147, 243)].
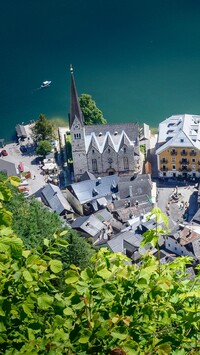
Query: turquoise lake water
[(140, 60)]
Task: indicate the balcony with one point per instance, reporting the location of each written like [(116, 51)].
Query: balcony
[(184, 161), (184, 169), (184, 153), (173, 152), (163, 161), (164, 169), (193, 153)]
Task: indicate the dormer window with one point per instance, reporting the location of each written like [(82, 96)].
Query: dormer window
[(115, 133), (100, 134)]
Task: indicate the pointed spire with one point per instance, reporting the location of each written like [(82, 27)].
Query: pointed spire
[(75, 110)]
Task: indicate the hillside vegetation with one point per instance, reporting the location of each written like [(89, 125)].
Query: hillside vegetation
[(110, 307)]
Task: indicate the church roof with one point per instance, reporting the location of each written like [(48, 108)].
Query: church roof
[(115, 130), (115, 141), (75, 110)]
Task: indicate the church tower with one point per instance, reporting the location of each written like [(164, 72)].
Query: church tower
[(77, 130)]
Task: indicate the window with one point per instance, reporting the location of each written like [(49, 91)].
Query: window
[(108, 150), (173, 167), (77, 136), (173, 160), (193, 160), (94, 164), (181, 140), (126, 165), (92, 151), (124, 149)]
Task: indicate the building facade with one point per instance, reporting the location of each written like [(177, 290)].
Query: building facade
[(102, 149), (178, 152)]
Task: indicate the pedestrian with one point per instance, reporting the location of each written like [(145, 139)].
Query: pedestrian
[(34, 177)]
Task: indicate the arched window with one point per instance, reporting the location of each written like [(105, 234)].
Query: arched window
[(126, 165), (94, 164)]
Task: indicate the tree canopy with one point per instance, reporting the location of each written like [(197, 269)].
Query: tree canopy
[(43, 148), (92, 114), (43, 129)]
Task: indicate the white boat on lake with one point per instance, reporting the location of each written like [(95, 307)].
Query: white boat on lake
[(45, 84)]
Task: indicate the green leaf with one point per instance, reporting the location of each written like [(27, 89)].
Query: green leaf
[(5, 192), (46, 242), (45, 301), (27, 276), (26, 253), (55, 266), (104, 273), (62, 242), (118, 335), (5, 218), (68, 311), (163, 349), (71, 277), (84, 339)]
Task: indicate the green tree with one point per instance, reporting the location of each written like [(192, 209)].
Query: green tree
[(91, 113), (43, 129), (43, 148)]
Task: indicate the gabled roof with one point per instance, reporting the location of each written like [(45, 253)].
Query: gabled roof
[(140, 186), (125, 141), (179, 131), (84, 190), (55, 199), (90, 225)]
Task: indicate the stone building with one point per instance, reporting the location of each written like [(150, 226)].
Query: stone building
[(102, 149)]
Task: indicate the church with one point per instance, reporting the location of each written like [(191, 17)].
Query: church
[(102, 149)]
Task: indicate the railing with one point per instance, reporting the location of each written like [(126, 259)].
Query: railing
[(184, 153), (185, 169), (173, 152), (193, 153), (163, 161), (164, 169), (184, 161)]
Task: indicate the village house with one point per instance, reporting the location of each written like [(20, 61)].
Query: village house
[(53, 197)]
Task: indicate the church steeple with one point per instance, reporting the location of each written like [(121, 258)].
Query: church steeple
[(75, 110)]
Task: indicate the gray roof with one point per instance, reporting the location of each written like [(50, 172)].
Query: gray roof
[(90, 225), (55, 199), (21, 131), (116, 244), (131, 130), (8, 167), (87, 176), (141, 185), (90, 190)]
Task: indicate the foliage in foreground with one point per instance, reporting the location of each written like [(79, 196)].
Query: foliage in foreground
[(110, 305)]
